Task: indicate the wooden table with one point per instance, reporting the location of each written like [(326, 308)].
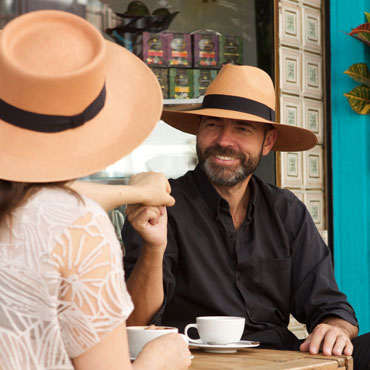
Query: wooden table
[(266, 359)]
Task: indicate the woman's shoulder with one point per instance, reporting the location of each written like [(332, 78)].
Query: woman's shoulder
[(67, 204)]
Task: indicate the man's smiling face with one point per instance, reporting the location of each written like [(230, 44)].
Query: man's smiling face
[(230, 150)]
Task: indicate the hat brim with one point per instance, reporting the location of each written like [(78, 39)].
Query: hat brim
[(132, 109), (289, 138)]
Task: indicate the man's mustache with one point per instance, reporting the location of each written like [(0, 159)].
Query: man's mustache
[(223, 151)]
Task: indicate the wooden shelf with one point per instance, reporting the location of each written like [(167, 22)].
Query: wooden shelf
[(182, 101)]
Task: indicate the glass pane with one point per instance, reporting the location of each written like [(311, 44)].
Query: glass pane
[(168, 150)]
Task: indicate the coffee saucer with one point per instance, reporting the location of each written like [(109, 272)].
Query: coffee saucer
[(134, 358), (224, 348)]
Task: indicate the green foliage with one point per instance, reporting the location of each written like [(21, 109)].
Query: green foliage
[(362, 33), (359, 97), (367, 15), (360, 73)]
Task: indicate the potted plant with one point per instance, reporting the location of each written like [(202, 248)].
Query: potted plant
[(359, 97)]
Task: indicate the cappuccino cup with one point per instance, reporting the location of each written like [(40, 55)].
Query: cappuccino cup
[(138, 336), (219, 330)]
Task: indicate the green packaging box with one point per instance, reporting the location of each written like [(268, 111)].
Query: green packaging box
[(231, 49), (202, 78), (180, 83), (162, 77)]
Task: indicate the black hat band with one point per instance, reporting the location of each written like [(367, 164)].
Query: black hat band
[(50, 123), (236, 103)]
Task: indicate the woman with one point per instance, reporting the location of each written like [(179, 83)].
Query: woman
[(71, 104)]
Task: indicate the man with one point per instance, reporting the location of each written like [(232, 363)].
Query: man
[(235, 245)]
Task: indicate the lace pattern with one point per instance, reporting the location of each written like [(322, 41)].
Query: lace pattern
[(61, 281)]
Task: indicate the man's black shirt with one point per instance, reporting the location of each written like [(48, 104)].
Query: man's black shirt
[(275, 264)]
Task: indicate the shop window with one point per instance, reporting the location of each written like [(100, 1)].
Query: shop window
[(185, 42)]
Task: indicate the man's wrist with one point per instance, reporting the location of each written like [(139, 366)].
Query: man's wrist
[(154, 250)]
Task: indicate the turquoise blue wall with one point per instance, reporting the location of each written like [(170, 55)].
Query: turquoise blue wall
[(351, 162)]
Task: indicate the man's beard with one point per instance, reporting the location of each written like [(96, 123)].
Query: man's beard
[(225, 175)]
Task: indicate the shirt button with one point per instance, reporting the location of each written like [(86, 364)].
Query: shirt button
[(232, 236)]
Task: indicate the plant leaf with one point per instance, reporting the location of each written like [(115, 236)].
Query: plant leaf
[(359, 72), (367, 15), (362, 33), (359, 99)]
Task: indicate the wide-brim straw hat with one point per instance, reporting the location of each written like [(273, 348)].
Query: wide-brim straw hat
[(242, 93), (71, 103)]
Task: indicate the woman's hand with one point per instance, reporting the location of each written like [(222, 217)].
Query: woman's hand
[(167, 352), (148, 188), (153, 188)]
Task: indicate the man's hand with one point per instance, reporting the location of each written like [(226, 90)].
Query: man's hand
[(332, 336), (150, 223)]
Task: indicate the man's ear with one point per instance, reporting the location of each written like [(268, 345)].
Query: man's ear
[(270, 138)]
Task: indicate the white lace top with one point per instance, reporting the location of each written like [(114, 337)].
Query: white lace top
[(61, 281)]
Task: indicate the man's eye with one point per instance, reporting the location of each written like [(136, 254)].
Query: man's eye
[(245, 129), (211, 124)]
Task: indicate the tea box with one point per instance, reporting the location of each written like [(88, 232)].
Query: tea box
[(180, 83), (162, 77), (231, 49), (155, 49), (202, 78), (179, 50), (205, 50)]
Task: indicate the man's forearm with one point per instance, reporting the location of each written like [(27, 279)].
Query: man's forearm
[(145, 285)]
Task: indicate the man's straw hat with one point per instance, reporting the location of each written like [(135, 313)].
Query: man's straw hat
[(71, 103), (242, 93)]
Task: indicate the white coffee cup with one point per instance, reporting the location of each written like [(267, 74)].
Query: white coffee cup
[(217, 329), (138, 336)]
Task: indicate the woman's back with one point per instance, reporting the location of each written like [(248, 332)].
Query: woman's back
[(61, 285)]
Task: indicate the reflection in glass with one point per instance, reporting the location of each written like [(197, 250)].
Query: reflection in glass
[(247, 30)]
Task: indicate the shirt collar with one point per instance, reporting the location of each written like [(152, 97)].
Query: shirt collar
[(214, 199)]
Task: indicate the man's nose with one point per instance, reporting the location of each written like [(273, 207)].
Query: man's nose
[(225, 137)]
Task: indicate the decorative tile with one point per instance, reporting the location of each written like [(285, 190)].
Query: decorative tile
[(313, 168), (324, 235), (314, 201), (290, 24), (298, 193), (315, 3), (312, 75), (311, 30), (291, 169), (313, 118), (291, 110), (290, 70)]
